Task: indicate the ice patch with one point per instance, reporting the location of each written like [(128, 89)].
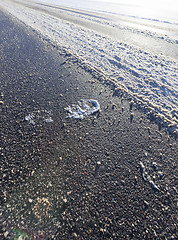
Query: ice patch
[(48, 120), (147, 175), (83, 109), (39, 116)]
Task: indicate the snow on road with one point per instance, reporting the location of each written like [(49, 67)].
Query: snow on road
[(142, 62)]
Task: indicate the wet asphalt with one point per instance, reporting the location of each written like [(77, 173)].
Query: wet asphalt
[(76, 179)]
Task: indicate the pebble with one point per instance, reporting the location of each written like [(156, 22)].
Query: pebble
[(149, 131), (113, 106), (160, 174), (142, 168), (131, 105), (30, 200), (63, 125), (154, 166), (131, 117), (6, 234), (146, 154), (146, 203), (153, 185), (98, 164)]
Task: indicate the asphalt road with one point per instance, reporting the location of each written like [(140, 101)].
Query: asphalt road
[(109, 176)]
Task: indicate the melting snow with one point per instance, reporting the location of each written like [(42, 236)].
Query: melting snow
[(83, 108), (39, 116)]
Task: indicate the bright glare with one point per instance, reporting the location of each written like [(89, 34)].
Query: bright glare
[(171, 4)]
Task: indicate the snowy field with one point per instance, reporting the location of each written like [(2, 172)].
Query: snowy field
[(136, 50)]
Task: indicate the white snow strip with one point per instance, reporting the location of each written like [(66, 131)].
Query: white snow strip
[(147, 69)]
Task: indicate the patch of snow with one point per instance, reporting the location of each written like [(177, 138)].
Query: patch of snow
[(48, 120), (39, 116), (30, 118), (83, 109)]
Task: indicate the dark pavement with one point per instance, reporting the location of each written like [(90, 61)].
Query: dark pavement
[(50, 187)]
